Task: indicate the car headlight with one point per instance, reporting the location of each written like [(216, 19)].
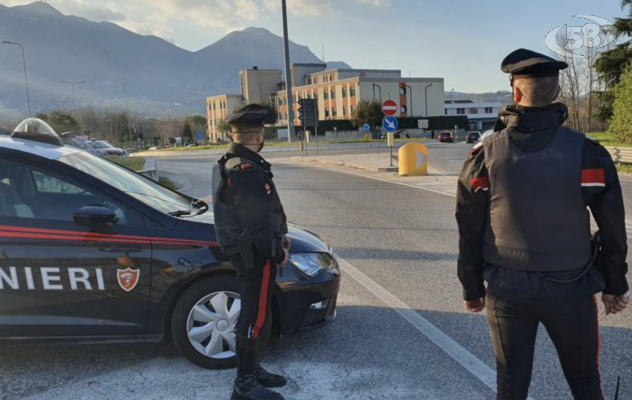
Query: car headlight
[(311, 264)]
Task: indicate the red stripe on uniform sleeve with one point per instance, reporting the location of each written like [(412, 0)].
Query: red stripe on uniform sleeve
[(479, 183), (593, 177)]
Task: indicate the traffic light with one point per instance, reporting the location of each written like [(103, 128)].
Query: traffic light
[(301, 110)]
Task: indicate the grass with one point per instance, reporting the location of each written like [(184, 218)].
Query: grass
[(168, 183), (606, 139), (133, 163)]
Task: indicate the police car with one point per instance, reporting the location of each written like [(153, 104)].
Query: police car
[(93, 252)]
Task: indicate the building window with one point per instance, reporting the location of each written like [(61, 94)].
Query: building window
[(489, 110), (334, 112), (446, 111), (331, 78), (344, 93), (315, 80), (325, 79), (352, 110), (326, 113), (460, 111), (309, 81), (333, 93), (473, 110), (352, 92), (344, 111), (325, 95), (315, 95)]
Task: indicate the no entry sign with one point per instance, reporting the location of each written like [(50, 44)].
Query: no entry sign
[(389, 107)]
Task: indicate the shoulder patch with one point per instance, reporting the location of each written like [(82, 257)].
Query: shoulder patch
[(592, 141), (246, 166), (476, 149)]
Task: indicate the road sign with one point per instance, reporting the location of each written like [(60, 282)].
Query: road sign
[(423, 123), (200, 136), (389, 107), (366, 128), (390, 124), (425, 134)]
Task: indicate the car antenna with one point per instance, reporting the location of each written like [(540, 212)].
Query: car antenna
[(616, 393)]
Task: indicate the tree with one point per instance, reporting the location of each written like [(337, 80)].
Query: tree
[(197, 122), (611, 64), (187, 133), (62, 122), (223, 126), (621, 125), (368, 112)]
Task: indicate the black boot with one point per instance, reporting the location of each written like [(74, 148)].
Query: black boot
[(247, 388), (269, 380)]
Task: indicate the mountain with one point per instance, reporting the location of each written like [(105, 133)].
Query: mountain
[(122, 68)]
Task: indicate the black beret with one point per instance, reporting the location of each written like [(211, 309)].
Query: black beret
[(530, 63), (252, 115)]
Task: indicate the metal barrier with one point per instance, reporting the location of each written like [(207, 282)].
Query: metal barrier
[(621, 154), (150, 170)]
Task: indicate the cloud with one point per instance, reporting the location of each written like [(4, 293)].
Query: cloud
[(376, 3)]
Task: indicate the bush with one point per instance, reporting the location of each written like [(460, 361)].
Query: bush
[(621, 125)]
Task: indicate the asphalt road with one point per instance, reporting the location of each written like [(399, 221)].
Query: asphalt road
[(401, 332)]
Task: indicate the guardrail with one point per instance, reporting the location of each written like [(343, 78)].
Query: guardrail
[(150, 170), (621, 154)]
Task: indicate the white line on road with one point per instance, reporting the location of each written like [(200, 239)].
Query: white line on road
[(461, 355)]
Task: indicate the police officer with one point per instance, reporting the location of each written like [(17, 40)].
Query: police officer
[(524, 225), (251, 227)]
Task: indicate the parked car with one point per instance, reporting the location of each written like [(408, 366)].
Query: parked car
[(445, 137), (473, 137), (94, 252), (103, 148)]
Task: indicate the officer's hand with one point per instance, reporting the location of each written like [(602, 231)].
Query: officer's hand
[(286, 258), (287, 242), (614, 304), (475, 306)]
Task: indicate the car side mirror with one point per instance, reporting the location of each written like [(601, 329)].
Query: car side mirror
[(90, 216)]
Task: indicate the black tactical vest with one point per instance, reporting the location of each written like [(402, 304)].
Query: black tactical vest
[(537, 218), (228, 226)]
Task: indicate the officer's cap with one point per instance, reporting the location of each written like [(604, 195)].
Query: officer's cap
[(250, 116), (523, 62)]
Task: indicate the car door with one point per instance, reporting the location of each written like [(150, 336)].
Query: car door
[(58, 278)]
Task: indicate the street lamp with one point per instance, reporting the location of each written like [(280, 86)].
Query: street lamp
[(379, 87), (426, 90), (288, 75), (26, 79), (410, 89), (72, 84)]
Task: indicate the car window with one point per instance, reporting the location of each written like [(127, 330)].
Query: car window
[(135, 185), (29, 192)]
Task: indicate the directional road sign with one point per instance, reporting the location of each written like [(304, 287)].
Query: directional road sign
[(366, 127), (389, 107), (390, 124)]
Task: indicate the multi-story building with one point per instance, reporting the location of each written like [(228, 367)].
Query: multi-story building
[(480, 116), (220, 107), (338, 92)]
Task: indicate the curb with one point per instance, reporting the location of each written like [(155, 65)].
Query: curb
[(340, 163)]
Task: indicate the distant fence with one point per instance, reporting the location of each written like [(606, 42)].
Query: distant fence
[(621, 154)]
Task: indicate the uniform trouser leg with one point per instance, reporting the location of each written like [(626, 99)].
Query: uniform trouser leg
[(574, 329), (513, 331), (256, 295)]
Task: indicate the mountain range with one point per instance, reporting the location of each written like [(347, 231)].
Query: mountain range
[(121, 68)]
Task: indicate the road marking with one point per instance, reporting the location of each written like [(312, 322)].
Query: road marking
[(458, 353)]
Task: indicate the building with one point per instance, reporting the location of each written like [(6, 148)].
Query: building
[(481, 116), (219, 108), (338, 92)]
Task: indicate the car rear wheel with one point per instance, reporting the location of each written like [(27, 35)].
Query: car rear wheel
[(203, 322)]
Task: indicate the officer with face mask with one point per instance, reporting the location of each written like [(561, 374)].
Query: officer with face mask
[(524, 225), (251, 227)]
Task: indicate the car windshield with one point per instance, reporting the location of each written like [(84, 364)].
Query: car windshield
[(137, 186)]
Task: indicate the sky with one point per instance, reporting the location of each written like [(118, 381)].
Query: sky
[(462, 41)]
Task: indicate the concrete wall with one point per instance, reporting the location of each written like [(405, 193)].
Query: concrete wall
[(258, 84)]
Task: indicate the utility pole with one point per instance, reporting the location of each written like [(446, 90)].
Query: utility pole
[(72, 84), (288, 76), (26, 79)]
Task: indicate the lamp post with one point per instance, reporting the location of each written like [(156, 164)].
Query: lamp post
[(72, 84), (426, 91), (26, 79), (410, 89), (379, 87), (288, 75)]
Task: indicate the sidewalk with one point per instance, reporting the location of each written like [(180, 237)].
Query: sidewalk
[(369, 162)]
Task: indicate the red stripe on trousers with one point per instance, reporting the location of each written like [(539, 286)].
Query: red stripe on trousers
[(263, 301), (598, 344)]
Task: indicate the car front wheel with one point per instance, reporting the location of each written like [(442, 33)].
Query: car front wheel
[(203, 322)]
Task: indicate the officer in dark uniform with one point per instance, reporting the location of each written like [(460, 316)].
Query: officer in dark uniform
[(522, 211), (251, 227)]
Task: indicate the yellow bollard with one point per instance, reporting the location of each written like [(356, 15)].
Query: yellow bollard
[(300, 146), (367, 137), (413, 160)]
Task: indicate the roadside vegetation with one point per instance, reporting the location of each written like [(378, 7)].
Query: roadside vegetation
[(133, 163)]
